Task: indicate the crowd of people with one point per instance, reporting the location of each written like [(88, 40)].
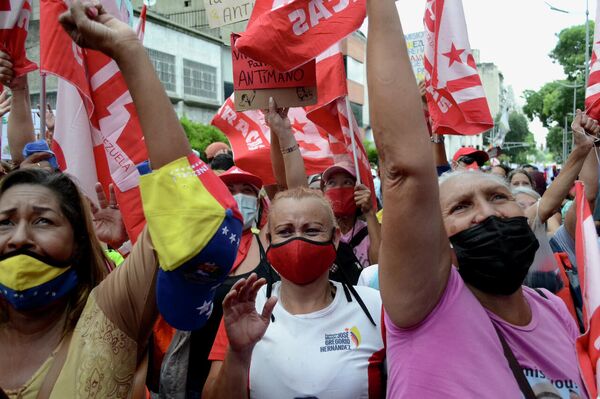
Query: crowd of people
[(461, 283)]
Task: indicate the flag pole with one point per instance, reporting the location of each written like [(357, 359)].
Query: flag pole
[(353, 139), (43, 107)]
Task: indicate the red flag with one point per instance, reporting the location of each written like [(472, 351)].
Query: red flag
[(141, 27), (592, 93), (113, 129), (116, 119), (455, 96), (59, 55), (588, 264), (14, 25), (331, 116), (250, 140), (298, 32)]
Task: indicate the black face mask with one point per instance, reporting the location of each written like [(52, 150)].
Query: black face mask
[(495, 255)]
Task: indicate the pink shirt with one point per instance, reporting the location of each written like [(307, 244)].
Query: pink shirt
[(455, 352), (361, 251)]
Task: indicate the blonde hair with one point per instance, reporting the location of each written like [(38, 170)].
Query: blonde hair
[(301, 193)]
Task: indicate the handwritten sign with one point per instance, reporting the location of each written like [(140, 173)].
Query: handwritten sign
[(254, 82), (226, 12), (415, 43)]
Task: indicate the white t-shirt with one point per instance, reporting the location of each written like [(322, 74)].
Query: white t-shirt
[(369, 277), (334, 353)]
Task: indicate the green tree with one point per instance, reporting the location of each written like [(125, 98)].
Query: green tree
[(554, 101), (569, 50), (371, 152), (200, 135), (519, 133)]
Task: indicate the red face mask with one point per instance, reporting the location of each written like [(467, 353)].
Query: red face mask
[(342, 201), (300, 260)]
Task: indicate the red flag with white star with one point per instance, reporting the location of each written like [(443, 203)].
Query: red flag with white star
[(592, 92), (455, 96), (250, 140)]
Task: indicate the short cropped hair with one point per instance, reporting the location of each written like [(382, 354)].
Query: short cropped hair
[(300, 193)]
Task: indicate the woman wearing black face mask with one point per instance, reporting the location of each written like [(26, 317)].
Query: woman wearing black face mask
[(319, 338), (471, 332)]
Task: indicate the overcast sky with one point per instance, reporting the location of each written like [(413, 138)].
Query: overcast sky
[(516, 35)]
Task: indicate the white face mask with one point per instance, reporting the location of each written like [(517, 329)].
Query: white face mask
[(248, 206)]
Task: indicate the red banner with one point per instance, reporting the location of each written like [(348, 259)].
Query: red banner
[(298, 32), (592, 92), (112, 134), (588, 265), (250, 140)]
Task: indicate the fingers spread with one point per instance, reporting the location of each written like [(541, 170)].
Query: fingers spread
[(102, 201), (268, 308)]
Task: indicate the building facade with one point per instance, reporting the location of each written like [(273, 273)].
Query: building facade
[(188, 62)]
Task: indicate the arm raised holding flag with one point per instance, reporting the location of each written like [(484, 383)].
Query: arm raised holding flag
[(467, 302), (90, 26), (97, 324)]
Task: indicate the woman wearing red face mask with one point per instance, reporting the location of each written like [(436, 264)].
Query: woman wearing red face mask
[(313, 337), (360, 238)]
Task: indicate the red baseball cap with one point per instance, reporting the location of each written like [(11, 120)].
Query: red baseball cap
[(480, 156), (236, 175)]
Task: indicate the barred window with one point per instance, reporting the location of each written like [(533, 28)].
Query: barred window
[(164, 64), (199, 80)]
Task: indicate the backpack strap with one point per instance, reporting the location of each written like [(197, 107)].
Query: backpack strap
[(349, 290), (541, 293), (515, 367), (359, 237)]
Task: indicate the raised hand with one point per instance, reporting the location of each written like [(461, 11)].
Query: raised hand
[(6, 69), (108, 221), (585, 130), (362, 197), (244, 325), (90, 26), (37, 160), (5, 102), (50, 119), (277, 119)]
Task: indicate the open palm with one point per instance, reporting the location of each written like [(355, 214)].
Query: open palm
[(244, 325), (108, 221)]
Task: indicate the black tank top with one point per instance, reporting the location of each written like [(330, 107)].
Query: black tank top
[(202, 340)]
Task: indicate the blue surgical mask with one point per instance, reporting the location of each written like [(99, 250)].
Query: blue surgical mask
[(248, 206), (28, 281)]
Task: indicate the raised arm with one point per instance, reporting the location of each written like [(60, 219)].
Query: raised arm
[(288, 165), (20, 123), (414, 261), (559, 189), (91, 26), (589, 176)]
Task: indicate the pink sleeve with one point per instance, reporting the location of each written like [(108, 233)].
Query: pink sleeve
[(453, 288)]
